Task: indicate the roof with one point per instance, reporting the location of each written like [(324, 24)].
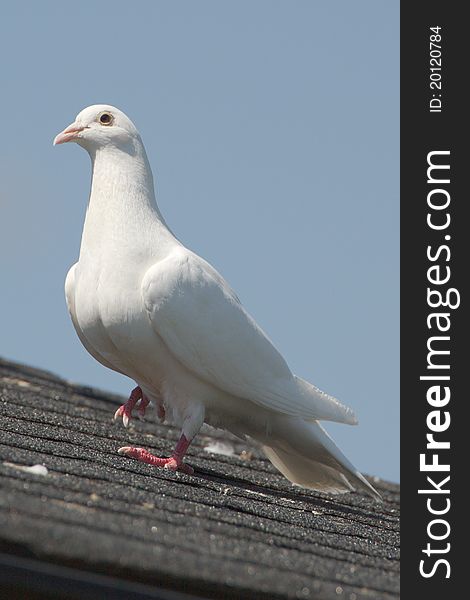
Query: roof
[(102, 525)]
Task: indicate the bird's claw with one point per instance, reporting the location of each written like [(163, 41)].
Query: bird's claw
[(173, 465), (125, 411)]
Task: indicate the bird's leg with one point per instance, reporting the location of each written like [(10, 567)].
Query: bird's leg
[(161, 410), (125, 411), (192, 424), (175, 462)]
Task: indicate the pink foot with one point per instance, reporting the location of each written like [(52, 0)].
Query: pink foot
[(125, 411), (175, 462)]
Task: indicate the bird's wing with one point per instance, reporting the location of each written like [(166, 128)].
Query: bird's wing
[(206, 328), (70, 299)]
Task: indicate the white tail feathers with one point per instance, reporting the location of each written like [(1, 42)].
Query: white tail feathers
[(308, 457)]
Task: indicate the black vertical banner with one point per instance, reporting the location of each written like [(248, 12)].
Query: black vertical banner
[(435, 238)]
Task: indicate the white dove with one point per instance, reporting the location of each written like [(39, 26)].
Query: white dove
[(144, 305)]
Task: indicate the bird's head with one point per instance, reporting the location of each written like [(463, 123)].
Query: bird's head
[(99, 126)]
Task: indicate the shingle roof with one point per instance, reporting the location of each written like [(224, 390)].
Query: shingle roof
[(236, 529)]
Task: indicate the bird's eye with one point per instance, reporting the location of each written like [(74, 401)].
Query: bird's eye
[(106, 118)]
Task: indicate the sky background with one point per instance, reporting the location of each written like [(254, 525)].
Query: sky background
[(272, 128)]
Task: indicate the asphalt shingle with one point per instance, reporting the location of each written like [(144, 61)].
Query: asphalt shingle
[(234, 529)]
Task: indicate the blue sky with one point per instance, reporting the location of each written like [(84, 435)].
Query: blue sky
[(272, 128)]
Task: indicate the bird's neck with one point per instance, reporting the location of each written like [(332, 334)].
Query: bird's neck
[(122, 214)]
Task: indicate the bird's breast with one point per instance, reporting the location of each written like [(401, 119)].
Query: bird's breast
[(110, 314)]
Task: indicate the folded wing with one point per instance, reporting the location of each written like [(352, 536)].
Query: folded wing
[(206, 328)]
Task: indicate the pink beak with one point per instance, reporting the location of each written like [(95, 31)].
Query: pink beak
[(69, 134)]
